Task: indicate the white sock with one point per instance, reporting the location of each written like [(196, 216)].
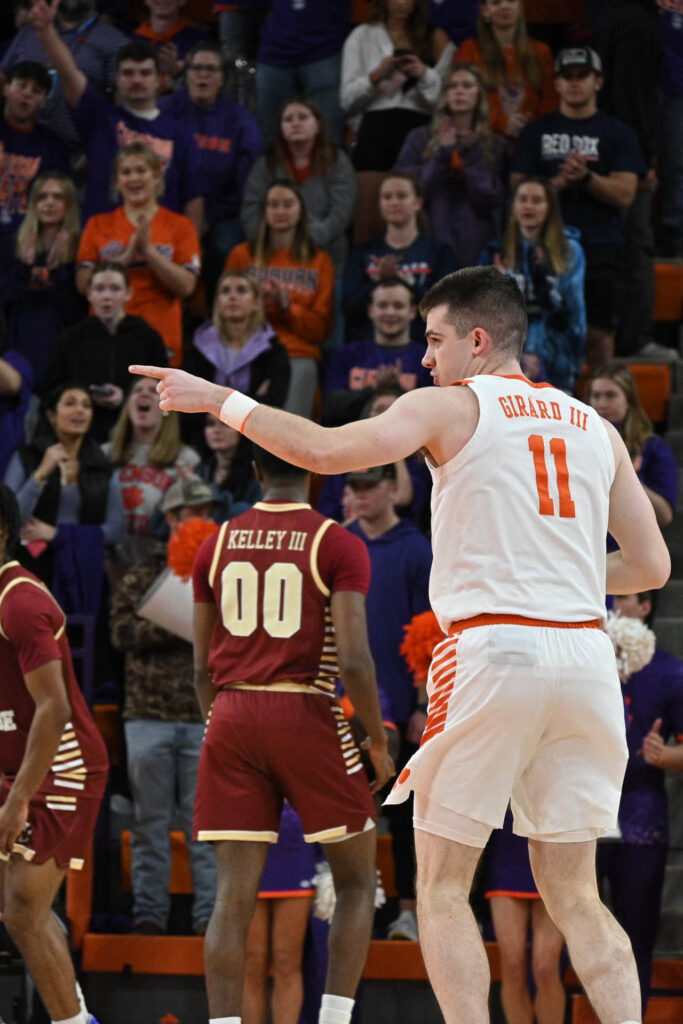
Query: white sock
[(81, 1018), (630, 1022), (335, 1010), (81, 1001), (225, 1020)]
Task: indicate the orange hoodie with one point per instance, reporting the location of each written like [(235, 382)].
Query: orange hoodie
[(304, 326)]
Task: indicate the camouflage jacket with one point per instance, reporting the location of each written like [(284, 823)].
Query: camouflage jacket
[(158, 665)]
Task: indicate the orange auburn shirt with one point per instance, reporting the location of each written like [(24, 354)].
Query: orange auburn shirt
[(304, 326), (516, 95), (107, 235)]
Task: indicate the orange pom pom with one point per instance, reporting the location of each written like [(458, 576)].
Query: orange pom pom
[(422, 634), (186, 542)]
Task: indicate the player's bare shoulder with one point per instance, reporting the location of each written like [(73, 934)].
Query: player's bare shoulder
[(445, 416)]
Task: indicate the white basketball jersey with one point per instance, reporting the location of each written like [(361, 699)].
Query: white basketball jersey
[(519, 515)]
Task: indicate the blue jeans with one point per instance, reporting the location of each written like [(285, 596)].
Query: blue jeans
[(163, 757), (318, 81)]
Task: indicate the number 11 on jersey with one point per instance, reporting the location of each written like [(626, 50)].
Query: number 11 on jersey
[(558, 451)]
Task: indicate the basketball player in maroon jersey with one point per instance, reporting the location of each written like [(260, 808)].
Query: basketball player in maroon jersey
[(279, 615), (54, 769)]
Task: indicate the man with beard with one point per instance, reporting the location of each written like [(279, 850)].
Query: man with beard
[(94, 44)]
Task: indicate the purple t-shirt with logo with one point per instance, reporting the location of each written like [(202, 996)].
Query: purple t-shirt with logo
[(104, 128)]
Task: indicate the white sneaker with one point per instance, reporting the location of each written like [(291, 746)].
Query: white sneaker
[(657, 353), (404, 927)]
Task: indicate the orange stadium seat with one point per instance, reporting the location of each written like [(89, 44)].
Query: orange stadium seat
[(668, 291)]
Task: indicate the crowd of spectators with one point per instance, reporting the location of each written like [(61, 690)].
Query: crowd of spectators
[(263, 197)]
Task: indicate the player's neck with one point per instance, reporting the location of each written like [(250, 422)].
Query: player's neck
[(400, 236), (287, 492)]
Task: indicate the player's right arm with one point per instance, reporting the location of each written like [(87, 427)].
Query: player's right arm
[(439, 420), (642, 561), (42, 17), (357, 671), (48, 691)]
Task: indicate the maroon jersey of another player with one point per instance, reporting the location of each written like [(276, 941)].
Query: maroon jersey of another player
[(271, 572), (33, 633)]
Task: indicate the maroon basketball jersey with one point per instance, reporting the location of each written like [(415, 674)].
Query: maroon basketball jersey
[(33, 633), (271, 572)]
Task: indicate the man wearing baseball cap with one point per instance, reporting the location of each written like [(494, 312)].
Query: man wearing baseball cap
[(401, 559), (163, 728), (593, 160)]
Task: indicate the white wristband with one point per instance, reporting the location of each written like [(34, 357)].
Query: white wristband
[(235, 410)]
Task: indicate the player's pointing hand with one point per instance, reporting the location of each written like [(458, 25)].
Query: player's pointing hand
[(181, 391)]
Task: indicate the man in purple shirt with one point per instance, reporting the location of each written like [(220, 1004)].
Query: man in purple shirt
[(635, 866), (104, 127), (389, 357), (26, 148)]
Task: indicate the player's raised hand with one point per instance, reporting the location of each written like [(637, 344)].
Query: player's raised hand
[(653, 744), (181, 391)]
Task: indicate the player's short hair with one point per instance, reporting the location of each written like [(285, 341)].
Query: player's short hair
[(482, 297), (138, 50), (272, 466), (10, 518), (31, 70)]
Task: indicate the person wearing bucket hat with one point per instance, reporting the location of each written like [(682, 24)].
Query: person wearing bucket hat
[(593, 160), (163, 729)]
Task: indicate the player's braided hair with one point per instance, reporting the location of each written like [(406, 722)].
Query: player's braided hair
[(10, 519)]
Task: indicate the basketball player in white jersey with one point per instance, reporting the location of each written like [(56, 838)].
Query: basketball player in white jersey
[(525, 702)]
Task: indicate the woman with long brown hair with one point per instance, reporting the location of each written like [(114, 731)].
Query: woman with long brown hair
[(387, 86), (148, 456), (304, 152), (37, 281), (547, 260), (296, 280), (462, 165), (517, 70), (612, 391)]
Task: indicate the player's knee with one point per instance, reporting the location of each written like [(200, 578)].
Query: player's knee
[(546, 967), (256, 964)]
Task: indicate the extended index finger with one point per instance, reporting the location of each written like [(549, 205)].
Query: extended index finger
[(159, 372)]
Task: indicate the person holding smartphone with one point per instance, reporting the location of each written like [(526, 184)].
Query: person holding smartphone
[(96, 351), (387, 86)]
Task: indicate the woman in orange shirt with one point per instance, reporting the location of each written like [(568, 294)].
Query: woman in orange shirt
[(159, 247), (296, 282), (517, 70)]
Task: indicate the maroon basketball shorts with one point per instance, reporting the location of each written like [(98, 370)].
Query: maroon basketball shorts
[(60, 826), (264, 746)]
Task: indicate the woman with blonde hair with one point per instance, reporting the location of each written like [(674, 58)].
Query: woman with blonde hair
[(296, 281), (37, 283), (461, 164), (547, 261), (517, 70), (160, 248), (148, 456), (238, 348), (612, 391)]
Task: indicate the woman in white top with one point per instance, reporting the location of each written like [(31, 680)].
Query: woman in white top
[(386, 80)]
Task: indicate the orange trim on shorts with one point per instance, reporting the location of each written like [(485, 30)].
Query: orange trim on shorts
[(295, 894), (443, 669), (512, 895), (518, 620)]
